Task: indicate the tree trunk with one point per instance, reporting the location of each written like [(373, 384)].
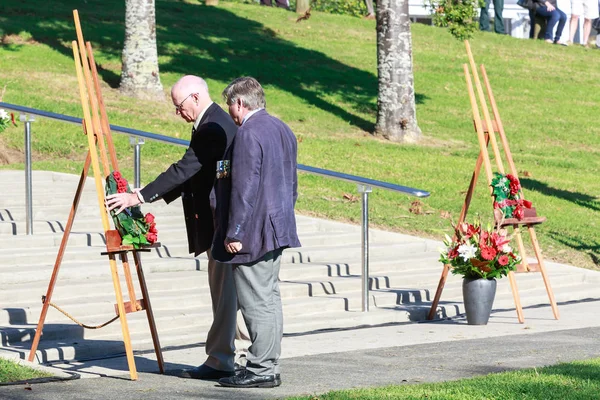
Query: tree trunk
[(396, 111), (302, 6), (139, 75)]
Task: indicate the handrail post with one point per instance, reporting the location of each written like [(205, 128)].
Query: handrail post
[(136, 142), (28, 174), (365, 190)]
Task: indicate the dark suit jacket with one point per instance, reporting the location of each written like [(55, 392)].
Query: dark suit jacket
[(256, 205), (193, 176)]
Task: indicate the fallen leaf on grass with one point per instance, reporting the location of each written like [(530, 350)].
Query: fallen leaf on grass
[(416, 207), (526, 174), (350, 197), (445, 214)]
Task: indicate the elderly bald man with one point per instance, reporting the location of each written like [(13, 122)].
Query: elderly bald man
[(192, 178)]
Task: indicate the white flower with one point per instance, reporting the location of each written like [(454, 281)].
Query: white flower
[(467, 251), (3, 114), (506, 248)]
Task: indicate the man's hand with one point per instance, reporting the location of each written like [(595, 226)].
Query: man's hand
[(122, 201), (232, 247)]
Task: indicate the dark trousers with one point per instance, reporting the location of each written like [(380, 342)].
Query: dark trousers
[(484, 17), (279, 3), (554, 17)]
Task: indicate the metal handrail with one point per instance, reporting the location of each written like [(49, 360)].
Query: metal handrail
[(365, 185), (185, 143)]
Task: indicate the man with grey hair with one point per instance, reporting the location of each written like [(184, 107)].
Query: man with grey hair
[(192, 178), (255, 222)]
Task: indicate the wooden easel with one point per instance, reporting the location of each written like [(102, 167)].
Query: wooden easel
[(485, 136), (96, 127)]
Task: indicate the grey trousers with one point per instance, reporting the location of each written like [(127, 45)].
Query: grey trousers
[(228, 339), (259, 299)]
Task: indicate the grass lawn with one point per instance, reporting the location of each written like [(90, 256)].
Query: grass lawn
[(570, 381), (320, 76), (10, 371)]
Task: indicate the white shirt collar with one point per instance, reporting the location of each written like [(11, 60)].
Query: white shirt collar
[(251, 113), (199, 117)]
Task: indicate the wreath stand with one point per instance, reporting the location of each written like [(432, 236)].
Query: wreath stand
[(97, 124), (485, 136)]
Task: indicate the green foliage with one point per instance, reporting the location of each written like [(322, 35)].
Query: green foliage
[(4, 120), (459, 16), (356, 8)]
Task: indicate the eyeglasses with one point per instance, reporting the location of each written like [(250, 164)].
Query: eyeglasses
[(178, 107)]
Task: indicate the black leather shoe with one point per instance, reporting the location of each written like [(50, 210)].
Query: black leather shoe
[(247, 379), (205, 372)]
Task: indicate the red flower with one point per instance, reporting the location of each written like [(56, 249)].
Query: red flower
[(472, 231), (483, 239), (149, 219), (117, 175), (453, 253), (153, 228), (503, 260), (515, 186), (526, 203), (488, 253), (498, 241), (151, 237), (519, 212)]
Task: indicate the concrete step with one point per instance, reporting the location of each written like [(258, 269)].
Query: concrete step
[(10, 227), (89, 262), (43, 248), (78, 347)]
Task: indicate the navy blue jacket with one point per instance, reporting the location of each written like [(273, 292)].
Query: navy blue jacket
[(193, 176), (255, 206)]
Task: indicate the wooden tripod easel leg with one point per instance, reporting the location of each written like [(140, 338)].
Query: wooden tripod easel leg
[(123, 317), (59, 257), (516, 298), (438, 292), (540, 259), (149, 313)]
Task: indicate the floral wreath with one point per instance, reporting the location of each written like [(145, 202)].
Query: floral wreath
[(506, 190), (135, 228)]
